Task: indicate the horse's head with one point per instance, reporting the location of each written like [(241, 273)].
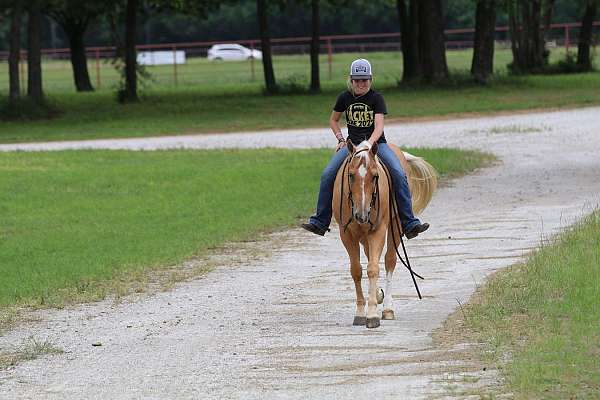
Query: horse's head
[(363, 174)]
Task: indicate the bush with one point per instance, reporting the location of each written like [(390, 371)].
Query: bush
[(568, 65)]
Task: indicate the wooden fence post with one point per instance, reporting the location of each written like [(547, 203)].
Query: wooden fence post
[(329, 57), (252, 61), (175, 64), (98, 80)]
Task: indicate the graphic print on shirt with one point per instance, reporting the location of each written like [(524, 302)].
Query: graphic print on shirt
[(360, 115)]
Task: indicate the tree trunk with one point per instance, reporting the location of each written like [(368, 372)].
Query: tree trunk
[(585, 36), (482, 66), (432, 43), (261, 11), (409, 40), (14, 55), (130, 94), (528, 20), (548, 13), (81, 75), (315, 82), (34, 53), (515, 36)]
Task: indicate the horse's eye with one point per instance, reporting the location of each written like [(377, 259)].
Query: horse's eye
[(351, 176)]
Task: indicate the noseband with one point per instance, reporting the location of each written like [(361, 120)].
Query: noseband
[(374, 196)]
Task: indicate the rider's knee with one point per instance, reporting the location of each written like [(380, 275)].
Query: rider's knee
[(328, 176)]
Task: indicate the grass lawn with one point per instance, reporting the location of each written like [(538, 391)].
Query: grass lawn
[(546, 315), (77, 223), (229, 101)]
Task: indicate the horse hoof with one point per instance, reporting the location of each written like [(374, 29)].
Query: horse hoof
[(388, 314), (360, 321), (372, 322)]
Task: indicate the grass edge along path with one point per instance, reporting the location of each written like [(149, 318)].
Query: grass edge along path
[(76, 207), (538, 322)]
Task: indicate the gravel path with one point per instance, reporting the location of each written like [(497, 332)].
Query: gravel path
[(279, 326)]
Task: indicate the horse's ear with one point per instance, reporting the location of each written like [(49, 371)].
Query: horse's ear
[(350, 146), (374, 148)]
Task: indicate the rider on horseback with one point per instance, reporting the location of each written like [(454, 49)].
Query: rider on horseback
[(364, 110)]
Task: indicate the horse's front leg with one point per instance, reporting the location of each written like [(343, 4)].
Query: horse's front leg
[(390, 266), (376, 241), (353, 248)]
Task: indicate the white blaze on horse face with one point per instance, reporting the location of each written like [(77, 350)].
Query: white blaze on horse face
[(362, 171)]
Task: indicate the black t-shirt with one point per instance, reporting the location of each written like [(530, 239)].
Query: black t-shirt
[(360, 114)]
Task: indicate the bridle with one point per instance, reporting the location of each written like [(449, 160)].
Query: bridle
[(374, 197)]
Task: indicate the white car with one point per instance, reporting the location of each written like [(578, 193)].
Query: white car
[(233, 52)]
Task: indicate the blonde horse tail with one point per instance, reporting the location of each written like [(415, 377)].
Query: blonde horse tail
[(422, 180)]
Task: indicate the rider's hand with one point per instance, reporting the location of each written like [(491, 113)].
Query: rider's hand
[(340, 145)]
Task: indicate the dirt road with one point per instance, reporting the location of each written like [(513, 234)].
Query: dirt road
[(280, 326)]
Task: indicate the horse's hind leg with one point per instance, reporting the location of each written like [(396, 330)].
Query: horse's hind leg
[(353, 249), (390, 266)]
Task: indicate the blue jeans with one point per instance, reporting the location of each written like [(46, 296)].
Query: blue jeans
[(322, 218)]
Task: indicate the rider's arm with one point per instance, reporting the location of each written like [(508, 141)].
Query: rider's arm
[(334, 123), (378, 130)]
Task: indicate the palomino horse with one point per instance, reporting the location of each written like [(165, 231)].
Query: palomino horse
[(365, 215)]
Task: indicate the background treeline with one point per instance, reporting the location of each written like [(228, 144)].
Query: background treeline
[(237, 20), (421, 23)]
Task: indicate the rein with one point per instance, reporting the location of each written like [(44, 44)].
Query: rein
[(394, 208)]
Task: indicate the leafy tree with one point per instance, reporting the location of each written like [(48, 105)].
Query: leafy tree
[(74, 17), (459, 14), (15, 51), (131, 7), (265, 42), (422, 38), (34, 52), (584, 60), (431, 41), (129, 94), (482, 65), (528, 21), (409, 39)]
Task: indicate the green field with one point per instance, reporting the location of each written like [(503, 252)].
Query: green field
[(226, 100), (541, 320), (217, 76), (73, 219)]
